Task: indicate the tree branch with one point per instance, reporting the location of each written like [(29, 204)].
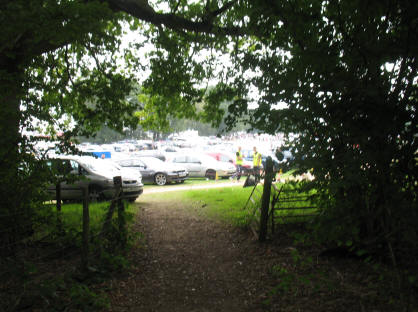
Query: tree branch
[(224, 8), (136, 8), (143, 11), (176, 7)]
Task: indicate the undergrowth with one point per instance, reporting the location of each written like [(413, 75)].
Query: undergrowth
[(47, 274)]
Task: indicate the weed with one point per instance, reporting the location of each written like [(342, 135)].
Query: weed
[(84, 299)]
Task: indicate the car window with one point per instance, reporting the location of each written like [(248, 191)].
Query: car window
[(137, 163), (83, 171), (75, 167), (225, 158), (63, 166), (179, 159), (207, 158), (125, 163), (100, 166), (192, 159)]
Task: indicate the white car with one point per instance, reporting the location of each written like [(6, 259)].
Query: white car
[(94, 174), (201, 165)]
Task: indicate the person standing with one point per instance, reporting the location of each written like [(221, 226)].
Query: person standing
[(256, 164), (239, 162)]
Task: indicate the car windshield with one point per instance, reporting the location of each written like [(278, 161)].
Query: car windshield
[(101, 166)]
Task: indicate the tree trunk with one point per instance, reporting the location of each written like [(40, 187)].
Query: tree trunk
[(11, 86)]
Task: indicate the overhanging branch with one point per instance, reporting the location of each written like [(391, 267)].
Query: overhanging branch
[(143, 11)]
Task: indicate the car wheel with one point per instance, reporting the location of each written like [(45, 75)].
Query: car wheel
[(131, 200), (95, 194), (160, 179), (210, 174)]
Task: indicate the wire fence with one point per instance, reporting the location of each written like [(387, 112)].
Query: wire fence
[(57, 241)]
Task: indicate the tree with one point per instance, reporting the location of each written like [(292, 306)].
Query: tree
[(154, 116), (345, 69), (57, 59)]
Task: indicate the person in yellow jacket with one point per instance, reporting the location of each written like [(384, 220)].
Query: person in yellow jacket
[(257, 165), (239, 161)]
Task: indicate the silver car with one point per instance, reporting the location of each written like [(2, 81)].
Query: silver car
[(94, 174), (153, 170), (201, 165)]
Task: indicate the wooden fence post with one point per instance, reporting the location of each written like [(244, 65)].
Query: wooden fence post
[(58, 196), (122, 222), (121, 211), (86, 230), (58, 204), (265, 202)]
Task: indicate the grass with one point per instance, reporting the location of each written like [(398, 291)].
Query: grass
[(190, 181), (72, 219), (227, 204), (224, 204), (73, 214)]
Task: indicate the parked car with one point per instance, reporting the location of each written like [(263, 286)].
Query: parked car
[(154, 170), (78, 172), (230, 158), (150, 153), (202, 165), (221, 157)]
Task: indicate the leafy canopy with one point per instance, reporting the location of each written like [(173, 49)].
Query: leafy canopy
[(347, 73), (346, 69)]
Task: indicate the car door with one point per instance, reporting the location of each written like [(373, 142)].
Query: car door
[(71, 186), (146, 172), (182, 160), (196, 169)]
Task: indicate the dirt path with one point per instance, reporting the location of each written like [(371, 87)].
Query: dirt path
[(186, 263), (189, 264)]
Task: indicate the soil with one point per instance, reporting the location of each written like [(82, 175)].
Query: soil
[(188, 263)]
